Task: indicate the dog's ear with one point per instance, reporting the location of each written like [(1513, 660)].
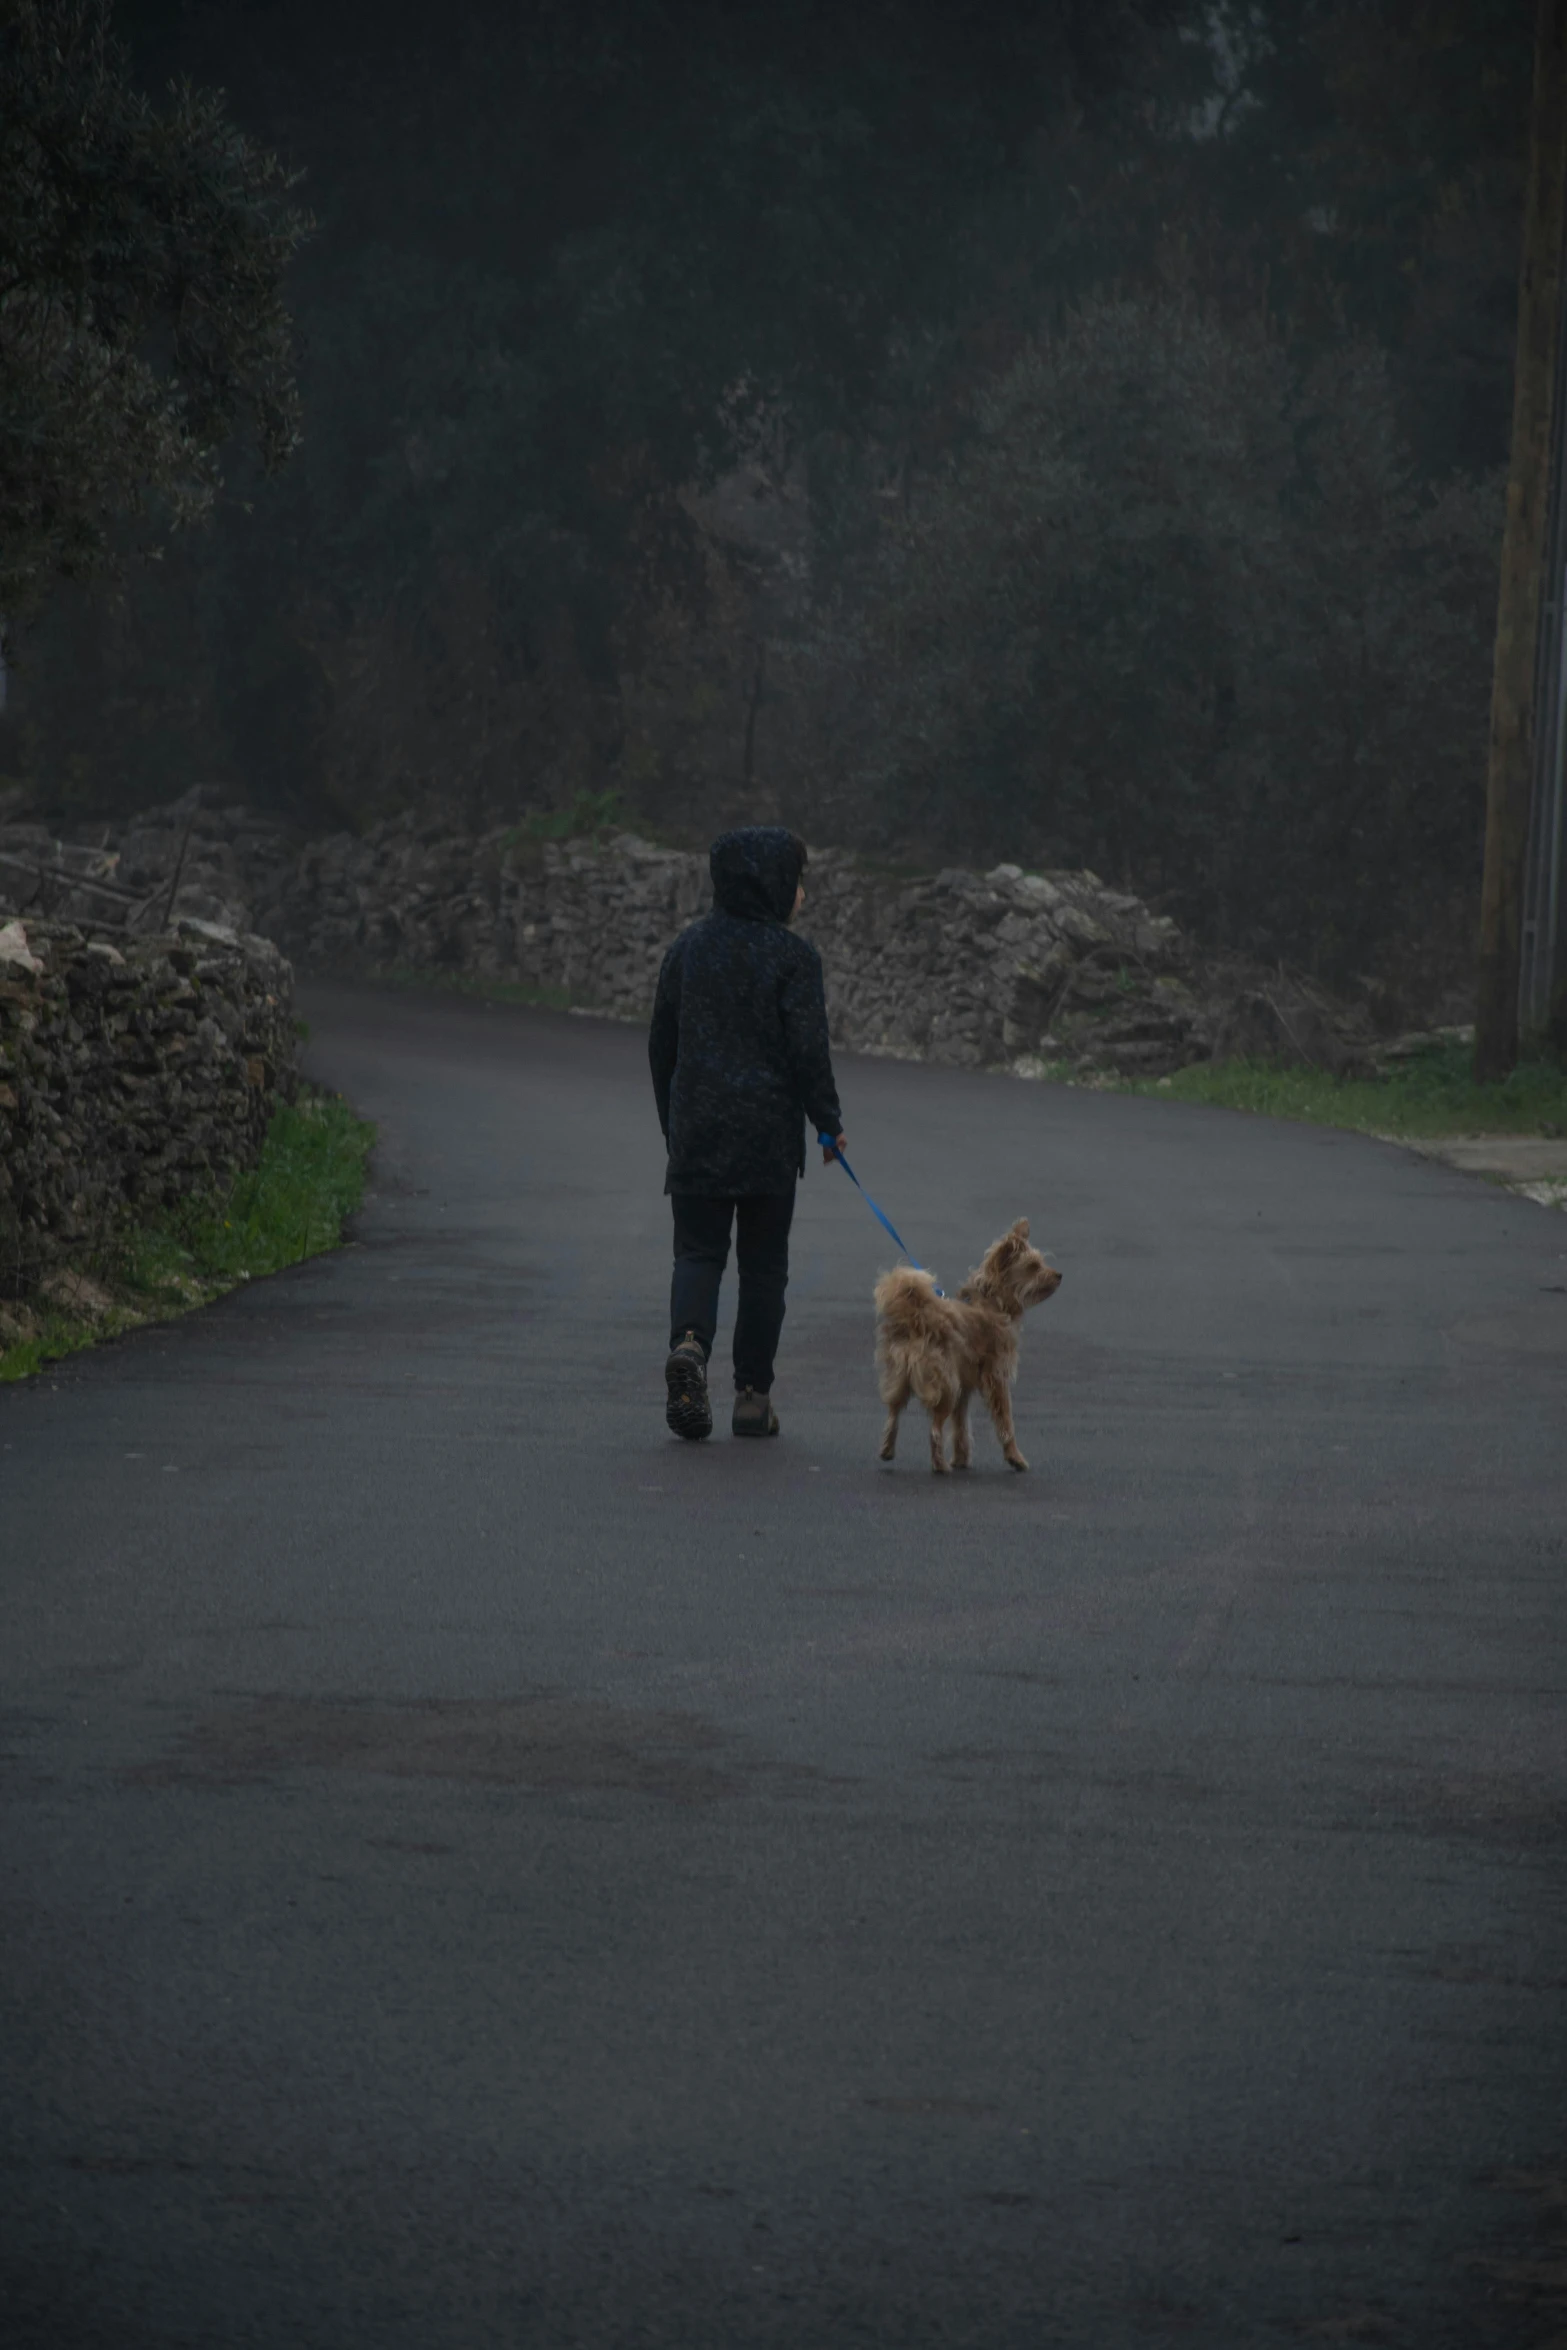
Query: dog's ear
[(1019, 1231)]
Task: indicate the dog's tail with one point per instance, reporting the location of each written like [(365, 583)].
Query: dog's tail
[(911, 1328)]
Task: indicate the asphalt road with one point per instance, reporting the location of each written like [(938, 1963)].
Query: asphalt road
[(477, 1871)]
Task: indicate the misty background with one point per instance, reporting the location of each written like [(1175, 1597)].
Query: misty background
[(1065, 433)]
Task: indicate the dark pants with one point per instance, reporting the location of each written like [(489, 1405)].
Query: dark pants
[(762, 1255)]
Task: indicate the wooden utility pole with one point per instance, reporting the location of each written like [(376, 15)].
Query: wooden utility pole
[(1510, 768)]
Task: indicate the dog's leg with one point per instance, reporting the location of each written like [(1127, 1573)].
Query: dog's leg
[(938, 1439), (962, 1446), (999, 1397), (889, 1435)]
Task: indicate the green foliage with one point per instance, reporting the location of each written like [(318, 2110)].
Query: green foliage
[(293, 1204), (586, 814), (791, 410), (53, 1335), (574, 261), (1431, 1093), (1398, 222), (141, 310), (1181, 612)]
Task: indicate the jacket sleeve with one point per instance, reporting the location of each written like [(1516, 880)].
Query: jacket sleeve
[(805, 1033), (663, 1037)]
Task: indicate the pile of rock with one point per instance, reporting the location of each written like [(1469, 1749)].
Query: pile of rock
[(1039, 971), (1004, 968), (134, 1070)]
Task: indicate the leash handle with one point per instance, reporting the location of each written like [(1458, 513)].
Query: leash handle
[(829, 1143)]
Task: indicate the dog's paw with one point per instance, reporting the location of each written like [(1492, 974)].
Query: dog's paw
[(1015, 1460)]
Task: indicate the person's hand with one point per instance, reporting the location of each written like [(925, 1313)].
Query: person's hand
[(838, 1144)]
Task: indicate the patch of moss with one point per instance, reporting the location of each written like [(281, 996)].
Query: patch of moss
[(588, 813)]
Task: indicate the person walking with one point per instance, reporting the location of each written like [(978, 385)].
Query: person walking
[(740, 1060)]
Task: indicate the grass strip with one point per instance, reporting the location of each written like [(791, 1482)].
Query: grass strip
[(489, 991), (1430, 1092), (292, 1204)]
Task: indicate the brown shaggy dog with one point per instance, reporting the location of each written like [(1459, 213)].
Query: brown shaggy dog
[(941, 1349)]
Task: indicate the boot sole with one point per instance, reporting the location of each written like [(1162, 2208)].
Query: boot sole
[(687, 1411), (738, 1429)]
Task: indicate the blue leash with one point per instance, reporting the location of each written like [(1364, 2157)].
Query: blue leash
[(885, 1221)]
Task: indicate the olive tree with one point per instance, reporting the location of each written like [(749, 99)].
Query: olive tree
[(142, 320)]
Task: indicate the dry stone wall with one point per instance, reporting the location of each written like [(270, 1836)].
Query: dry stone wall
[(984, 970), (999, 969), (976, 969), (1002, 968), (134, 1070), (968, 968)]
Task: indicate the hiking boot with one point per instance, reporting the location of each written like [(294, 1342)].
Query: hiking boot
[(686, 1409), (754, 1414)]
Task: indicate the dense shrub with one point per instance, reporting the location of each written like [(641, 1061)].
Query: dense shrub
[(1182, 613)]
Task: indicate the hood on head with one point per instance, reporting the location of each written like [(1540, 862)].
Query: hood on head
[(756, 872)]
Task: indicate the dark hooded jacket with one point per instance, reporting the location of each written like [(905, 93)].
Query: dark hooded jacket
[(738, 1045)]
